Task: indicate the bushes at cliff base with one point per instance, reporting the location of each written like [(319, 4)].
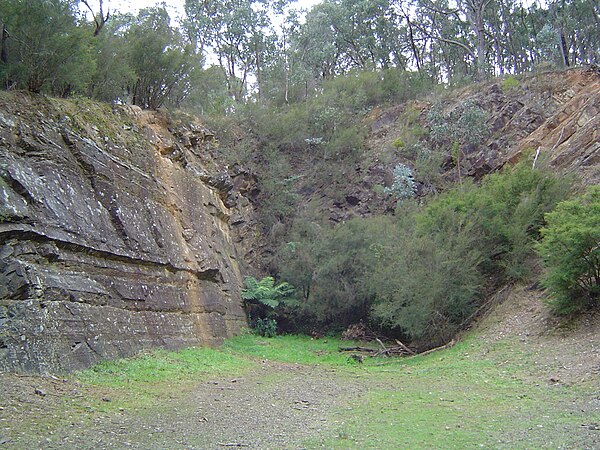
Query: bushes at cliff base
[(570, 248)]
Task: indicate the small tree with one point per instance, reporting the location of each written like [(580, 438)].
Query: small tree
[(464, 125), (571, 251)]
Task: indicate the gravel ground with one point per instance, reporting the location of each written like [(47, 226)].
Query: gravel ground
[(276, 406)]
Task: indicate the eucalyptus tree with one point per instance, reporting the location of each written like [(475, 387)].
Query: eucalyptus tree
[(236, 32), (100, 17), (576, 24), (463, 26), (114, 76), (163, 68)]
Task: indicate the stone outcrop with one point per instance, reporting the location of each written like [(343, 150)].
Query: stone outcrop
[(115, 235)]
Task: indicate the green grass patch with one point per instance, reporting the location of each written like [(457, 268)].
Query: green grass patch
[(480, 393), (160, 365), (294, 349), (458, 399)]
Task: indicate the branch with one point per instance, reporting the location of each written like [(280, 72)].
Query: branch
[(446, 12), (100, 20), (447, 41)]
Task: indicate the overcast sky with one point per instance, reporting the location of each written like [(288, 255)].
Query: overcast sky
[(175, 7)]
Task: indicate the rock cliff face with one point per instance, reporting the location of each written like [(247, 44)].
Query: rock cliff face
[(116, 235), (556, 115)]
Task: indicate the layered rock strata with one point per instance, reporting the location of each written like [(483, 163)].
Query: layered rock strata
[(114, 235)]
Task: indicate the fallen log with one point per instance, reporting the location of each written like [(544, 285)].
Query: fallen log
[(358, 349), (448, 345), (408, 350)]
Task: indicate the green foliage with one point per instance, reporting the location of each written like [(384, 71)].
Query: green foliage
[(266, 327), (461, 239), (46, 50), (510, 83), (465, 124), (570, 249), (265, 301), (427, 164), (508, 210), (548, 41), (278, 197), (379, 189), (162, 64), (265, 292), (427, 284), (346, 145), (398, 143), (421, 274), (342, 262), (403, 186)]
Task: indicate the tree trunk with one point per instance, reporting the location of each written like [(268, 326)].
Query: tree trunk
[(564, 51), (4, 45)]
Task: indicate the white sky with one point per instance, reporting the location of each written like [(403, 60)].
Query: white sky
[(175, 7)]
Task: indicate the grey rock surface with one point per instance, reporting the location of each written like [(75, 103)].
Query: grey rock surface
[(114, 236)]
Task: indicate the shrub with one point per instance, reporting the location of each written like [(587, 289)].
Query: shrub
[(422, 273), (433, 274), (427, 285), (404, 185), (510, 83), (266, 327), (464, 124), (570, 249), (508, 210), (343, 260)]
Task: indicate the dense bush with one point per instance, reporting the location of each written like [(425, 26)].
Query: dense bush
[(343, 259), (427, 284), (266, 327), (422, 273), (571, 251), (507, 211), (46, 50)]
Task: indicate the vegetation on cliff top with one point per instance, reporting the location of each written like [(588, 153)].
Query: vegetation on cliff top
[(225, 53)]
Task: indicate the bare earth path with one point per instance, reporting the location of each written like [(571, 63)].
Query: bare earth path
[(274, 406)]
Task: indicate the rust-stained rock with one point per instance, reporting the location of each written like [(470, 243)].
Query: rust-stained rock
[(110, 242)]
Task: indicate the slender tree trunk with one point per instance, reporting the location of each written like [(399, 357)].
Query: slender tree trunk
[(413, 46), (4, 45), (563, 49), (259, 80)]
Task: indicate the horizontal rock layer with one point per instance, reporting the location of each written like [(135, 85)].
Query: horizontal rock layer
[(114, 235)]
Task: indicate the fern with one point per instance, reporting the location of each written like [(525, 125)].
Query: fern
[(266, 292)]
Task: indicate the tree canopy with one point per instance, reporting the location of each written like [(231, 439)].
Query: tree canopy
[(267, 50)]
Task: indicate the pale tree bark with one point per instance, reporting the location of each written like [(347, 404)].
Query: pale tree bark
[(100, 19)]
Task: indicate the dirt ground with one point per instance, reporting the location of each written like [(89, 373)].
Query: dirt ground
[(276, 405), (273, 406)]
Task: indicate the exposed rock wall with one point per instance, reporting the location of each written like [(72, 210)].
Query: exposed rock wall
[(115, 235)]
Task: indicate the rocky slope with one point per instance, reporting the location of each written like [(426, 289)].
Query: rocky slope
[(117, 233), (553, 114)]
